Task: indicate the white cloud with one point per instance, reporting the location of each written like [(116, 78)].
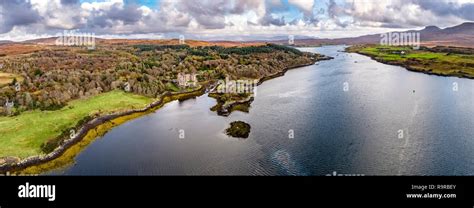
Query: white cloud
[(212, 18)]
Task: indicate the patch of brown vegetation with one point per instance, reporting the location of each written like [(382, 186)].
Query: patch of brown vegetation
[(19, 48), (192, 43)]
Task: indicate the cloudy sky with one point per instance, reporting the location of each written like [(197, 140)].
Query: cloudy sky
[(225, 19)]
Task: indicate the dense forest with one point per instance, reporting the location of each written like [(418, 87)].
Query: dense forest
[(49, 78)]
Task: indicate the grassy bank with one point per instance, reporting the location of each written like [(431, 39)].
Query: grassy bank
[(68, 156), (448, 63), (23, 135)]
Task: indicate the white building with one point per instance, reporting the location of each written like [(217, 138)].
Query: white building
[(187, 80)]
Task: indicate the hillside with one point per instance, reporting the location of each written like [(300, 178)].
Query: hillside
[(461, 36)]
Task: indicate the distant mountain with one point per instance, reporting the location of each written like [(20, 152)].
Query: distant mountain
[(461, 35), (466, 28), (5, 41)]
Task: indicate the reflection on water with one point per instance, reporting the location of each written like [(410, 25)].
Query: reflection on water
[(389, 121)]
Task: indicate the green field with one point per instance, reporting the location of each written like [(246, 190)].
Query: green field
[(447, 64), (22, 135)]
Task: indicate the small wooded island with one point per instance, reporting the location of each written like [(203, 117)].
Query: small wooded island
[(238, 129)]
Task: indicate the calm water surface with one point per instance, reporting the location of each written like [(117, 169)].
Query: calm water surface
[(346, 115)]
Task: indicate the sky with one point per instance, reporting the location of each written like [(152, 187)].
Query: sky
[(225, 19)]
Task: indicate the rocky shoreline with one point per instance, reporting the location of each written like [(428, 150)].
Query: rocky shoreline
[(410, 68)]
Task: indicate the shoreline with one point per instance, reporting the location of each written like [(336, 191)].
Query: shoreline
[(409, 68), (95, 123), (72, 147)]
